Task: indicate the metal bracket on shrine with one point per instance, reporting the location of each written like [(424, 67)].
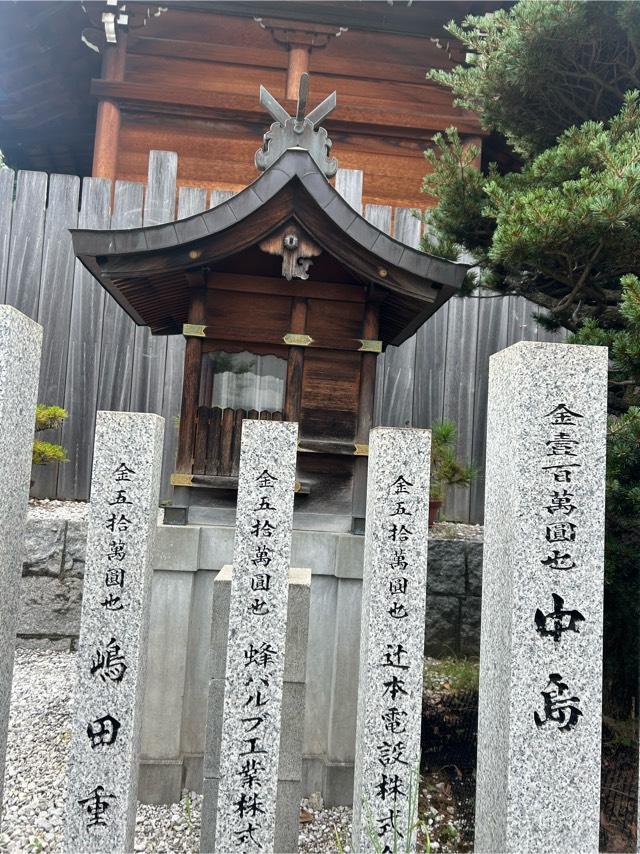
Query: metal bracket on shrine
[(297, 131)]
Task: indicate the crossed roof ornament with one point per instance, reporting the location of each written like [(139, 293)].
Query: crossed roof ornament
[(297, 131)]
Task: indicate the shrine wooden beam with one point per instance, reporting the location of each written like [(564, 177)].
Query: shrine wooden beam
[(191, 380), (239, 283), (349, 117), (370, 327), (221, 482), (291, 339), (295, 362)]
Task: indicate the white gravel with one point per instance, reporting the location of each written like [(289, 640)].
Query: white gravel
[(34, 789), (45, 508)]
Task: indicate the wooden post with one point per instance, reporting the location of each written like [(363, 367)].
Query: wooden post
[(105, 149), (295, 365), (298, 65), (191, 386), (370, 326)]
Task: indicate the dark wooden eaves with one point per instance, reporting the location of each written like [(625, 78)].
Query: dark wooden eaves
[(144, 268)]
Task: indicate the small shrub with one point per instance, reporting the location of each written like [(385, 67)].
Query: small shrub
[(48, 418)]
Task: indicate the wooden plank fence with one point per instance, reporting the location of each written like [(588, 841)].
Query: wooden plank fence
[(94, 356)]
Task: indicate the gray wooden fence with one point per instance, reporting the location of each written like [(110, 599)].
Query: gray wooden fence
[(95, 357)]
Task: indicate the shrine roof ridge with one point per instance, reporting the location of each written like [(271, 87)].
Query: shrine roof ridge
[(294, 163)]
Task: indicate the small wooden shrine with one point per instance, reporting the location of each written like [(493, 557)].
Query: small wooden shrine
[(285, 296)]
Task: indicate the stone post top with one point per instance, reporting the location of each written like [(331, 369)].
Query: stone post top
[(296, 575), (11, 316), (531, 348), (151, 418), (396, 430)]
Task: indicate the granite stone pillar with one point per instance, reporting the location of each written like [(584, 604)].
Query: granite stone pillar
[(103, 767), (539, 727), (293, 702), (387, 763), (20, 346), (253, 700)]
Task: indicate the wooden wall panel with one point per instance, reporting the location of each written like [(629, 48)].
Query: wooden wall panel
[(380, 216), (330, 394), (85, 344), (334, 319), (7, 180), (118, 330), (459, 388), (221, 77), (236, 317), (150, 351), (54, 307), (387, 109), (348, 183), (191, 200), (27, 239), (220, 154), (493, 336), (399, 362)]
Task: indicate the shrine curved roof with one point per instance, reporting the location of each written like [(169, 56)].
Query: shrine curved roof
[(162, 256)]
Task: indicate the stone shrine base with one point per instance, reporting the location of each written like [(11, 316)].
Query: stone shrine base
[(186, 563)]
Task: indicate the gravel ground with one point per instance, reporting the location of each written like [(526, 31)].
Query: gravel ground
[(44, 508), (34, 791)]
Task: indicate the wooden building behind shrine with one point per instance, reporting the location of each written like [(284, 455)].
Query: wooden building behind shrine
[(187, 82)]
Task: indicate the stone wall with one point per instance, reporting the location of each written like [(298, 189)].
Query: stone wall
[(54, 565), (454, 587), (52, 575)]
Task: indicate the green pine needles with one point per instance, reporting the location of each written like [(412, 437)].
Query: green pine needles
[(540, 67), (48, 418), (560, 81)]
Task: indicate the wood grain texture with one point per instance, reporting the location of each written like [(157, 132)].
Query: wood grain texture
[(54, 308), (200, 447), (431, 357), (295, 361), (83, 361), (118, 330), (150, 352), (396, 409), (226, 441), (219, 196), (212, 462), (191, 200), (191, 386), (7, 180), (459, 390), (380, 216), (349, 185), (493, 336), (27, 240)]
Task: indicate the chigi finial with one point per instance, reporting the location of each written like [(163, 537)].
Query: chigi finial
[(297, 131)]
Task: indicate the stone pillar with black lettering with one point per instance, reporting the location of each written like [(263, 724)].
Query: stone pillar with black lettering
[(253, 692), (387, 764), (103, 766), (540, 708), (20, 346)]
